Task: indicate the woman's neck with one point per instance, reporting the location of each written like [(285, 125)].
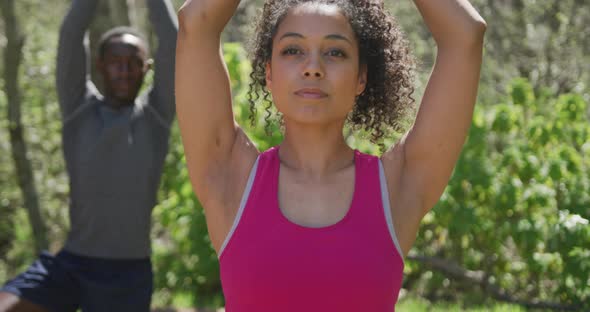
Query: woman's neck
[(315, 151)]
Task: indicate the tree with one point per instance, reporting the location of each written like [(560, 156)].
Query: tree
[(12, 61)]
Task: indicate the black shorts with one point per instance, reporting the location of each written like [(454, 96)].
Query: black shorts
[(66, 282)]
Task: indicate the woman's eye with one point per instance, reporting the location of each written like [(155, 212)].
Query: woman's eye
[(336, 53), (291, 51)]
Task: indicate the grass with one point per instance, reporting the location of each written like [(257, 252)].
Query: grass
[(416, 304), (407, 304)]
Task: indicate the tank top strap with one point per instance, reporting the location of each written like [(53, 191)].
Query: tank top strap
[(256, 198), (269, 156), (268, 179), (265, 186), (267, 172), (377, 207), (367, 177), (369, 208)]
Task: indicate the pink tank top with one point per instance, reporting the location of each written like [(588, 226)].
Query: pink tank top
[(269, 263)]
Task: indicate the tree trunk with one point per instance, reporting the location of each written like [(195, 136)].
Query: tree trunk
[(24, 172), (109, 14), (234, 32)]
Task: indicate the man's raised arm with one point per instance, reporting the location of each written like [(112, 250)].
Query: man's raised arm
[(72, 79), (163, 19)]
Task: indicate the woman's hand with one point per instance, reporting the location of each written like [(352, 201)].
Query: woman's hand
[(206, 15), (452, 22)]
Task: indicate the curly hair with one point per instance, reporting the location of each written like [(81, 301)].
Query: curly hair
[(382, 48)]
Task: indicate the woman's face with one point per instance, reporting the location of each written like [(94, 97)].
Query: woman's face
[(315, 75)]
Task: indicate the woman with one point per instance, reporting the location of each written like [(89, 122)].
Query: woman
[(312, 225)]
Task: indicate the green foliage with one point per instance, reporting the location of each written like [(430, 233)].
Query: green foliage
[(184, 262), (547, 42), (414, 304), (518, 204), (8, 194), (40, 115)]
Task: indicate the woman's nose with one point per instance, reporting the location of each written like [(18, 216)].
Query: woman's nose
[(316, 74), (314, 67)]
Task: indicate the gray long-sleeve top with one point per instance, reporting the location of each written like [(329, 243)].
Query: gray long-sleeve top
[(114, 158)]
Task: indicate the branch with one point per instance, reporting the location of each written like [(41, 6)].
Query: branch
[(482, 279)]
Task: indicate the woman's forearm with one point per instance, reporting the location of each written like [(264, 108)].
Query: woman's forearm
[(452, 22)]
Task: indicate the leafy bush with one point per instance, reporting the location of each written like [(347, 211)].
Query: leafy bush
[(518, 204)]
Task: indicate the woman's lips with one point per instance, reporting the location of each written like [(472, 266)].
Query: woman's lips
[(311, 93)]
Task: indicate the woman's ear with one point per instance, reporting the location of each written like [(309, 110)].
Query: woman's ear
[(268, 76), (362, 82)]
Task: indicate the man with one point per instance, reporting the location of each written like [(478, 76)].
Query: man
[(114, 147)]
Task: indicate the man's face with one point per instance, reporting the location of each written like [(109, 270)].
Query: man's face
[(123, 66)]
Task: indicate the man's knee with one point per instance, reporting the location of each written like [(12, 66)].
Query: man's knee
[(12, 303)]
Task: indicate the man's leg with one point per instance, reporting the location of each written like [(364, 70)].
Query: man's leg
[(45, 286), (116, 286), (12, 303)]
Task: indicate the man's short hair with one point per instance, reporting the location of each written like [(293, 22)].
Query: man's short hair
[(116, 32)]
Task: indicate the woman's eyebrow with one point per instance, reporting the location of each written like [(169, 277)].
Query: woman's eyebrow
[(338, 37), (300, 36)]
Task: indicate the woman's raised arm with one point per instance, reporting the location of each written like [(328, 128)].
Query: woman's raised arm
[(424, 160), (217, 151)]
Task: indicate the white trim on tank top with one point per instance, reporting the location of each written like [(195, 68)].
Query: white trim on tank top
[(387, 208), (243, 202), (384, 200)]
